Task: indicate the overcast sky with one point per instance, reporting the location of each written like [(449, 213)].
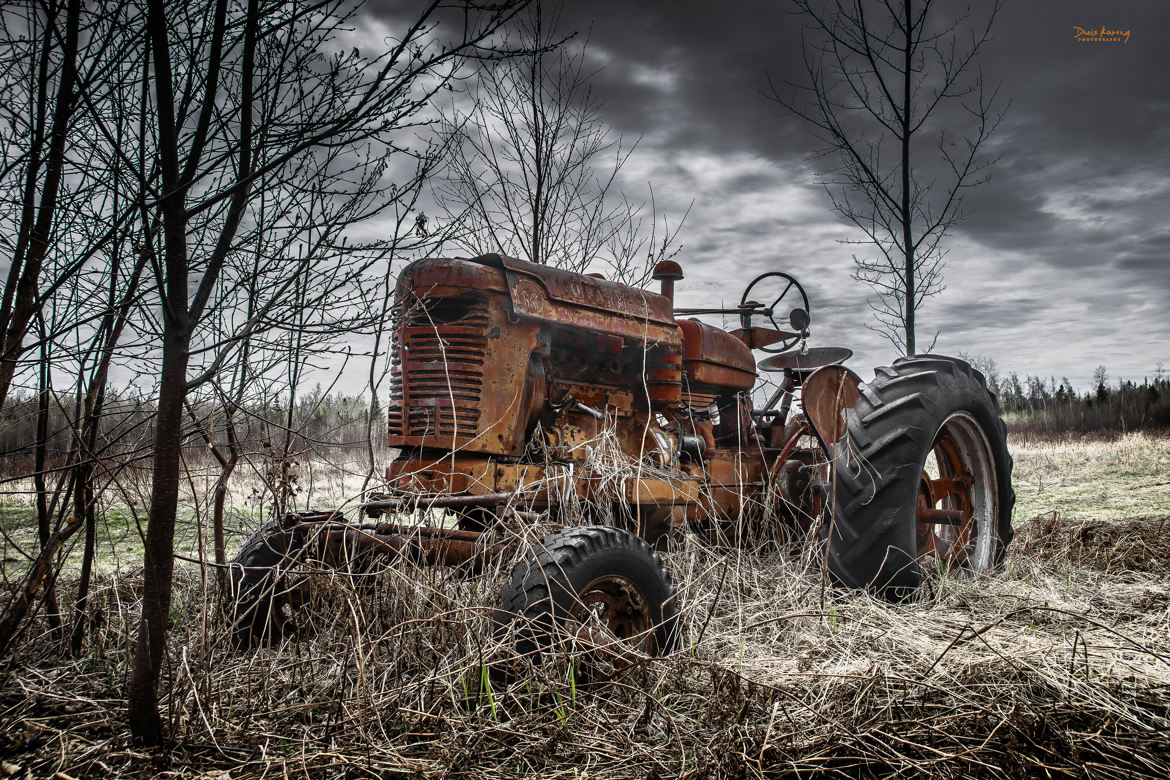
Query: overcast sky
[(1063, 260)]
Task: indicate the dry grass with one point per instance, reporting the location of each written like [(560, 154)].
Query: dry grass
[(1057, 665), (327, 479), (1103, 477)]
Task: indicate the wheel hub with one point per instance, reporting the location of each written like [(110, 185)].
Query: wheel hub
[(956, 496), (613, 606)]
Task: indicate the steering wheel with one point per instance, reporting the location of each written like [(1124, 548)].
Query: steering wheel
[(785, 284)]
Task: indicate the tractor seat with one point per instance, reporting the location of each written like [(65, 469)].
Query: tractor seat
[(805, 362)]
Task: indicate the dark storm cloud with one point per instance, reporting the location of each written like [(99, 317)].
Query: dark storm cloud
[(1072, 223), (1086, 148), (1150, 255), (1080, 185), (696, 72), (1002, 309), (1082, 115)]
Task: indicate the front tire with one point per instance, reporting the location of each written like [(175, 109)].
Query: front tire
[(923, 472), (260, 594), (584, 579)]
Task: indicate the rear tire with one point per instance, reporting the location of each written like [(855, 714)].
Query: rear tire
[(922, 410), (584, 574)]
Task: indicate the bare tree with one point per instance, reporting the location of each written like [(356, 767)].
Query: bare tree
[(215, 157), (534, 166), (44, 166), (65, 57), (897, 98), (256, 99), (1100, 386), (70, 285)]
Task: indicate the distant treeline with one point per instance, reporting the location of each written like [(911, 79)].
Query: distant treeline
[(1038, 405), (316, 421)]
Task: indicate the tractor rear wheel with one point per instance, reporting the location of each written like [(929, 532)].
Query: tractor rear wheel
[(592, 585), (923, 472)]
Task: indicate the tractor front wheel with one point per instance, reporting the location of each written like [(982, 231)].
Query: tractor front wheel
[(923, 472), (595, 587), (262, 595)]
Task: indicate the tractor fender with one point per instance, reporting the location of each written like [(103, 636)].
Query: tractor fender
[(825, 396)]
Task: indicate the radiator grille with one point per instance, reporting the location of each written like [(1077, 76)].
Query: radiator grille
[(394, 406), (437, 368)]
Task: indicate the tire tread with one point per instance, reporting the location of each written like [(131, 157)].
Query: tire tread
[(888, 430)]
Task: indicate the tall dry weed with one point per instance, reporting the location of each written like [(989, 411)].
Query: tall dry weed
[(1057, 665)]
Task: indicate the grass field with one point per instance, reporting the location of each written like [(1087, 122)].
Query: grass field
[(1100, 478), (1058, 665), (326, 482)]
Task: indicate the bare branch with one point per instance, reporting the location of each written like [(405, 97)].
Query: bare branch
[(878, 78)]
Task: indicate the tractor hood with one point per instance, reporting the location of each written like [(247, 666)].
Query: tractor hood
[(554, 295)]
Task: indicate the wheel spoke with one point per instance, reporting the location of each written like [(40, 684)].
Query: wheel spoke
[(947, 531), (779, 298), (950, 486), (943, 516)]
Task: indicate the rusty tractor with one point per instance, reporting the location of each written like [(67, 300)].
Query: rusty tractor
[(526, 394)]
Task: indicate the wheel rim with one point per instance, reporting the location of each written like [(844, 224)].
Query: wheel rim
[(958, 502), (288, 601), (614, 604)]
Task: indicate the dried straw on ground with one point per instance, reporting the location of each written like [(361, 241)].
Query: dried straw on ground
[(1057, 665)]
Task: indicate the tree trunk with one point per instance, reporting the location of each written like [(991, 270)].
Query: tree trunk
[(87, 499), (907, 234), (158, 555), (44, 513), (83, 508), (159, 562), (221, 488)]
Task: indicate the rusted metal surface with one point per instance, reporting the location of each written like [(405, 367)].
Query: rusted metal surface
[(664, 381), (553, 295), (715, 357), (460, 370), (439, 502), (422, 544), (480, 347), (946, 531), (807, 361), (470, 480), (666, 273), (614, 605), (825, 396), (943, 516), (758, 338), (498, 360), (800, 483)]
